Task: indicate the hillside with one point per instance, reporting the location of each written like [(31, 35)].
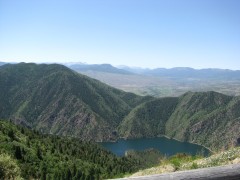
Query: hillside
[(54, 99), (148, 119), (31, 155), (182, 162), (2, 63), (210, 119)]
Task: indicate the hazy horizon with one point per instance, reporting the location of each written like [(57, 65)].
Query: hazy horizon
[(122, 66), (142, 33)]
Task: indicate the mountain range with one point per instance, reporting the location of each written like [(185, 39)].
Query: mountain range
[(176, 72), (57, 100), (187, 72), (107, 68), (162, 82)]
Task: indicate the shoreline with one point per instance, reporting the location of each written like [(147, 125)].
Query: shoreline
[(188, 142), (210, 151)]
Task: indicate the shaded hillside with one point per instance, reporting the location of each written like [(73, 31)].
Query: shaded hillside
[(192, 107), (54, 99), (51, 157), (148, 119), (211, 119)]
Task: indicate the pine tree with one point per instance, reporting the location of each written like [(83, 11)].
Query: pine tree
[(18, 153), (39, 153)]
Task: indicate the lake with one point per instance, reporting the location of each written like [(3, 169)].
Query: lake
[(164, 145)]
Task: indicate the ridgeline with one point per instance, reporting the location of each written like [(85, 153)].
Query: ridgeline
[(56, 100)]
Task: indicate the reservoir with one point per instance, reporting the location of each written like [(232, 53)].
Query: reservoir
[(166, 146)]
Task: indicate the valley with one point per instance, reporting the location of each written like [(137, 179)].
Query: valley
[(61, 106), (119, 89), (54, 99), (163, 82)]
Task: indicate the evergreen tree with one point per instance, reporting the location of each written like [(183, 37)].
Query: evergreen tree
[(11, 134), (18, 152), (39, 153)]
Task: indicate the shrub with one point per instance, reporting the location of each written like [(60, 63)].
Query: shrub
[(9, 168)]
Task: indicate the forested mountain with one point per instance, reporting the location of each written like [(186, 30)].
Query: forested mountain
[(31, 155), (54, 99), (148, 119), (211, 119), (2, 63), (57, 100)]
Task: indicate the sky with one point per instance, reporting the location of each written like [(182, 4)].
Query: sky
[(143, 33)]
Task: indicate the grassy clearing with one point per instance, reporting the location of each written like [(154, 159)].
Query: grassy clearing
[(185, 162)]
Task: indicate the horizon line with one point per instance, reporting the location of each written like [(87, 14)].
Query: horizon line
[(119, 66)]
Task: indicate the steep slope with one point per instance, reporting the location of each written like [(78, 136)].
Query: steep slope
[(57, 100), (50, 157), (199, 118), (148, 119), (54, 99), (210, 119), (193, 106), (219, 129)]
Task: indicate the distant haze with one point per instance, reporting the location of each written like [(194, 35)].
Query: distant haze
[(143, 33)]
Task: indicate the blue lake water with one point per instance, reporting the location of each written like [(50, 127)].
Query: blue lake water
[(164, 145)]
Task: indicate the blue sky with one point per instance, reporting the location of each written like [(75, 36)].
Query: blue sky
[(145, 33)]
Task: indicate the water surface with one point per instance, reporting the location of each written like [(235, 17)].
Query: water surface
[(164, 145)]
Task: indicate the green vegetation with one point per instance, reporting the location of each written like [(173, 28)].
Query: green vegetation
[(210, 119), (148, 119), (28, 154), (146, 158), (181, 162), (56, 100), (9, 168)]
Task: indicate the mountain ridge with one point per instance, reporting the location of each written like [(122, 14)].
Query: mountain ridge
[(98, 67), (208, 118), (54, 99)]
